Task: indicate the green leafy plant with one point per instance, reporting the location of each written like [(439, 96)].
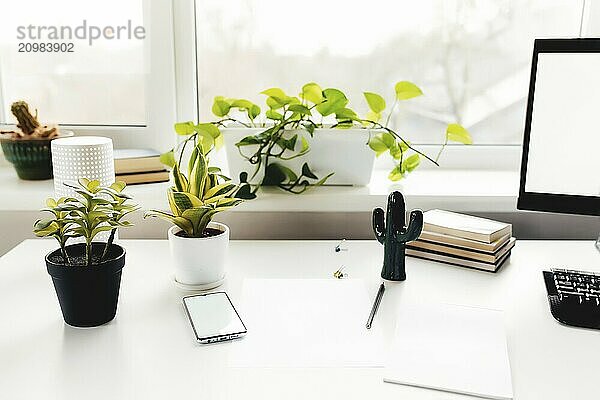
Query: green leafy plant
[(287, 116), (96, 209), (197, 197)]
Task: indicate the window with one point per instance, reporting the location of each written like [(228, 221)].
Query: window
[(471, 58), (95, 67)]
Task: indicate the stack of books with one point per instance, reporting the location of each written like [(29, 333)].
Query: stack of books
[(134, 166), (463, 240)]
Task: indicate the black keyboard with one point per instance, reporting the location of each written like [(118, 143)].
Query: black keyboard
[(574, 297)]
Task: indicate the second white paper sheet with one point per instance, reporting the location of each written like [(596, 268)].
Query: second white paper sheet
[(306, 323)]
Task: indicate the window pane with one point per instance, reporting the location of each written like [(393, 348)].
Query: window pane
[(101, 83), (471, 58)]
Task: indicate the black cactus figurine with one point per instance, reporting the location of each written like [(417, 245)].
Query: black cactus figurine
[(392, 233)]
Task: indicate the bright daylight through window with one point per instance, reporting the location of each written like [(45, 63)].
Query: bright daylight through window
[(471, 58), (77, 62)]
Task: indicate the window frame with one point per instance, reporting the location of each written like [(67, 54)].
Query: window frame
[(477, 156), (160, 95)]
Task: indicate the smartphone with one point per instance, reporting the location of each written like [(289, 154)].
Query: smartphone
[(213, 317)]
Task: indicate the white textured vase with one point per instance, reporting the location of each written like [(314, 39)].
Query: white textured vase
[(199, 263), (81, 157)]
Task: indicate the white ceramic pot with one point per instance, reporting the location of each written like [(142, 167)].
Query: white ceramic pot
[(199, 263), (343, 151)]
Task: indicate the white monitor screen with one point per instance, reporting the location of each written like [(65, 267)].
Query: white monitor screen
[(564, 146)]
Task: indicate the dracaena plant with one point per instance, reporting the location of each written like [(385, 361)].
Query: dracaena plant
[(95, 209), (313, 108), (196, 197)]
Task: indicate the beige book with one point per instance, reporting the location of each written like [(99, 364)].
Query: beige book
[(460, 252), (129, 161), (461, 262), (465, 226), (145, 177), (462, 242)]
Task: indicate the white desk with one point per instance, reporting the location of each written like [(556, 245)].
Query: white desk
[(148, 351)]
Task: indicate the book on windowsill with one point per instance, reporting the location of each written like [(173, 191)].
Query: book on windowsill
[(458, 261), (144, 177), (130, 161), (465, 226)]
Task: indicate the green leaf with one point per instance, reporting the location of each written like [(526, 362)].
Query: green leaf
[(304, 144), (373, 116), (179, 180), (324, 179), (291, 175), (275, 92), (388, 139), (272, 114), (242, 103), (310, 127), (83, 182), (275, 103), (191, 161), (167, 158), (299, 108), (248, 141), (377, 144), (197, 178), (220, 107), (118, 186), (50, 202), (396, 151), (97, 230), (185, 128), (396, 174), (312, 92), (375, 101), (209, 128), (335, 100), (254, 111), (307, 172), (346, 114), (410, 163), (289, 144), (274, 175), (457, 133), (407, 90), (220, 190), (206, 141)]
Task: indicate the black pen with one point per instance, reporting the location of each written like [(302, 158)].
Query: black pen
[(375, 305)]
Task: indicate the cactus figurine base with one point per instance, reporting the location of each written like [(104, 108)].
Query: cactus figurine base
[(391, 232)]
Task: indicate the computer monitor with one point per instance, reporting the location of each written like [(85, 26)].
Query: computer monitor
[(560, 168)]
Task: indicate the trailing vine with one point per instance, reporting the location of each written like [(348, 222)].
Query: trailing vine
[(287, 117)]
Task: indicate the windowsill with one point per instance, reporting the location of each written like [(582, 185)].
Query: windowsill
[(458, 190)]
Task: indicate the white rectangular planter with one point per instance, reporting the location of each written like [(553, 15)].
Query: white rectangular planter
[(343, 151)]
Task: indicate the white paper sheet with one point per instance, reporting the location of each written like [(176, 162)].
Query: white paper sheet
[(451, 348), (306, 323)]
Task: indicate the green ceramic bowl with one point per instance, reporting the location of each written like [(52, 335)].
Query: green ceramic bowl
[(32, 158)]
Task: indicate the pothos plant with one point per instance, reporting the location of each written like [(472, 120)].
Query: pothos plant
[(96, 209), (196, 197), (313, 108)]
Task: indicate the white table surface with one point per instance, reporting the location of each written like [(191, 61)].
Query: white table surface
[(149, 352)]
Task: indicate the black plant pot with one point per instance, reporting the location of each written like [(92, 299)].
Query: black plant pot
[(88, 296)]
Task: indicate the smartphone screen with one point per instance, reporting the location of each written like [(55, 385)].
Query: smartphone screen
[(213, 317)]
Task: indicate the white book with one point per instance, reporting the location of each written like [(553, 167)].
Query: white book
[(451, 348), (465, 226)]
